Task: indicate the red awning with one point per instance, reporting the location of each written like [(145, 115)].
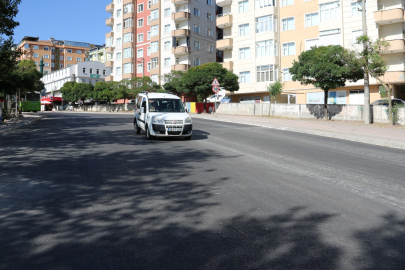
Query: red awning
[(51, 99)]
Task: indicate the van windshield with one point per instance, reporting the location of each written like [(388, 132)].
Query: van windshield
[(165, 105)]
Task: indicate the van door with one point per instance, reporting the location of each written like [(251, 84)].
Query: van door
[(142, 114)]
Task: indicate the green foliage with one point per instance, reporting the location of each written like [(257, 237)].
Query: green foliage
[(275, 88), (370, 57), (83, 91), (395, 113), (9, 9), (67, 91), (172, 81), (327, 67), (197, 80)]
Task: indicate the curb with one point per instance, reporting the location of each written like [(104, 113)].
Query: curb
[(10, 128), (353, 138)]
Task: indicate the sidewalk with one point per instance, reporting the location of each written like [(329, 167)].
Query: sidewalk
[(21, 120), (375, 134)]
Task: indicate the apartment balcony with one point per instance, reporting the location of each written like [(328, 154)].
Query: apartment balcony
[(396, 46), (128, 2), (389, 16), (180, 16), (109, 64), (109, 35), (180, 33), (109, 22), (225, 44), (128, 60), (181, 50), (180, 67), (154, 22), (154, 38), (109, 78), (223, 3), (180, 2), (394, 76), (109, 50), (154, 55), (128, 75), (128, 45), (228, 65), (110, 8), (155, 6), (224, 21), (154, 71), (128, 15)]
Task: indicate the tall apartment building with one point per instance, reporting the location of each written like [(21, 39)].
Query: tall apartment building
[(151, 38), (57, 54), (261, 38)]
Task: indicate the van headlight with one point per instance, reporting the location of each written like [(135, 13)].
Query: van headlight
[(188, 120), (157, 120)]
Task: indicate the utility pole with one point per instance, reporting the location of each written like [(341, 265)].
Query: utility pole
[(367, 119)]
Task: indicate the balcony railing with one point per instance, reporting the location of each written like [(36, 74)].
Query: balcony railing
[(224, 20), (181, 50), (222, 3), (110, 7), (180, 2), (389, 16), (225, 44), (180, 16), (180, 33), (180, 67), (396, 46)]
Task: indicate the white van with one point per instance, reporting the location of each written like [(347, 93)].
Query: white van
[(161, 115)]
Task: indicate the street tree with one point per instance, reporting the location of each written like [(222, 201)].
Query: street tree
[(99, 88), (172, 81), (122, 90), (327, 67), (374, 64), (197, 80), (67, 91), (274, 89), (82, 91)]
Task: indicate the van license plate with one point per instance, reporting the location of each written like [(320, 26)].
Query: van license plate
[(174, 129)]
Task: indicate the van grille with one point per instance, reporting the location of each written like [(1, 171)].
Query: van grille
[(174, 122)]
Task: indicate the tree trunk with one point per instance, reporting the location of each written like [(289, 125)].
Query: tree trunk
[(389, 90), (326, 105)]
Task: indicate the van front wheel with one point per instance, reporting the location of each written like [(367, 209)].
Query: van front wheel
[(148, 135)]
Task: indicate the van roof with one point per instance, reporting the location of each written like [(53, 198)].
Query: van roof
[(161, 95)]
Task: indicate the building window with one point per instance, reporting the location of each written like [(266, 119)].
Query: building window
[(264, 3), (119, 12), (196, 45), (289, 48), (119, 27), (148, 20), (196, 12), (46, 56), (140, 22), (243, 6), (46, 48), (46, 64), (167, 29), (36, 63), (210, 48), (140, 8), (148, 51), (148, 35), (52, 64), (329, 11), (69, 50), (288, 24), (244, 29), (287, 3), (244, 77), (129, 22), (36, 55), (127, 68), (311, 43), (140, 37), (78, 59), (61, 58), (155, 78), (311, 19), (167, 45), (118, 71), (61, 65), (53, 57), (104, 73), (209, 17), (286, 75), (79, 51), (244, 53), (167, 62), (196, 62), (154, 47), (167, 12), (154, 14), (149, 4), (36, 47), (154, 30), (139, 68), (266, 23), (140, 53), (128, 37), (69, 58), (196, 28), (155, 63), (266, 48), (356, 9), (128, 8), (148, 66), (118, 41), (209, 2), (209, 32), (127, 53), (118, 56), (355, 35), (266, 73)]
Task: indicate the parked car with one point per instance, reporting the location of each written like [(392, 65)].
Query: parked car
[(226, 99), (384, 102)]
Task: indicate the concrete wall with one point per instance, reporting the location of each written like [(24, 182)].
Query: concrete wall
[(104, 108), (310, 111)]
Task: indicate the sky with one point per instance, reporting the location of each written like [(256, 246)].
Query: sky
[(73, 20)]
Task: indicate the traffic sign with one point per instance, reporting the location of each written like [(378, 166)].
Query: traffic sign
[(215, 82), (215, 89)]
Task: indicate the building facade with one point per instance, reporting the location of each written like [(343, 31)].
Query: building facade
[(161, 36), (98, 54), (259, 39), (57, 54)]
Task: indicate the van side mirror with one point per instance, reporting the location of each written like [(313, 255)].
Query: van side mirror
[(186, 110), (142, 110)]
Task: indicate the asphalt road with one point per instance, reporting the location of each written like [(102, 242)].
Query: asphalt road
[(82, 191)]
